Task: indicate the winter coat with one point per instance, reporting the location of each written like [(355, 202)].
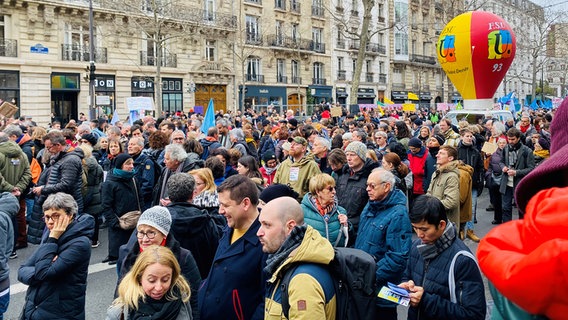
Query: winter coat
[(8, 210), (445, 186), (116, 312), (57, 286), (351, 190), (314, 288), (27, 144), (130, 251), (429, 168), (307, 168), (452, 138), (385, 233), (432, 274), (236, 280), (190, 163), (523, 166), (14, 168), (93, 199), (471, 156), (197, 231), (418, 168), (465, 174), (329, 229), (526, 259), (115, 190), (144, 168)]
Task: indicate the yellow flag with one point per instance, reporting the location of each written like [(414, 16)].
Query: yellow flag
[(388, 101), (412, 96), (409, 107)]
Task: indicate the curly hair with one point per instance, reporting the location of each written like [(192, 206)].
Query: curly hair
[(158, 140)]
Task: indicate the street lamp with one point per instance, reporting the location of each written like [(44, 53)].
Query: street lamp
[(92, 66)]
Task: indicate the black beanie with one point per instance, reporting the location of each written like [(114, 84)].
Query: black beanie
[(277, 190), (121, 159)]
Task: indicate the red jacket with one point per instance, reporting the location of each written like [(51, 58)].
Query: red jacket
[(527, 259), (417, 167)]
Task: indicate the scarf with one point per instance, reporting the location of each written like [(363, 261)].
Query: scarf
[(431, 251), (434, 151), (123, 173), (269, 170), (292, 242), (162, 309), (323, 211)]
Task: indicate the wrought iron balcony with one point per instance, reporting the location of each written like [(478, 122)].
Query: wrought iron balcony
[(253, 38), (289, 43), (341, 75), (321, 81), (255, 77), (295, 6), (369, 77), (318, 11), (422, 59), (296, 80), (168, 60), (8, 48), (318, 47), (376, 48), (281, 79), (280, 4), (72, 52), (381, 19), (207, 17), (382, 78)]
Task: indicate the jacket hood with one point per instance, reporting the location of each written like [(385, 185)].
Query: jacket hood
[(84, 225), (25, 138), (10, 149), (450, 166), (189, 224), (305, 159), (313, 249), (467, 168), (369, 166), (10, 204), (395, 197)]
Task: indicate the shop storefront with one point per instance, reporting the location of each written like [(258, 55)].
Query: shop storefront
[(105, 86), (399, 96), (425, 100), (321, 94), (172, 95), (341, 95), (263, 96), (366, 96), (64, 96), (142, 87), (10, 87)]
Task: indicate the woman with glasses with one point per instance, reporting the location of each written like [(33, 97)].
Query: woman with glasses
[(114, 149), (56, 273), (322, 212), (153, 229), (154, 289)]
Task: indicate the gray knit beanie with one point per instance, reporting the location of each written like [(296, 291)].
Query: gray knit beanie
[(358, 148), (157, 217)]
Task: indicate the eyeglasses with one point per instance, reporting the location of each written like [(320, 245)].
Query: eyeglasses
[(150, 234), (379, 137), (53, 218), (373, 186), (179, 138)]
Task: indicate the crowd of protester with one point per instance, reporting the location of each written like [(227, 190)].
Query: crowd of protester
[(358, 181)]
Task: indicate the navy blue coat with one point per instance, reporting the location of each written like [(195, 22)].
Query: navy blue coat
[(385, 233), (236, 277), (57, 288), (433, 276)]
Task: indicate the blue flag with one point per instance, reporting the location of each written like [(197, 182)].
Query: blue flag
[(209, 120)]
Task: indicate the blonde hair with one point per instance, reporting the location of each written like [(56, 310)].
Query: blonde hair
[(206, 175), (319, 182), (130, 289), (371, 154), (87, 150)]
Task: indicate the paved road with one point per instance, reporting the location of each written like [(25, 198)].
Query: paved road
[(102, 277)]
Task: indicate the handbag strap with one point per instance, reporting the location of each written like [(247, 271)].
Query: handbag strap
[(137, 198)]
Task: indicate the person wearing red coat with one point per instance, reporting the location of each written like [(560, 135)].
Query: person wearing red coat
[(417, 156)]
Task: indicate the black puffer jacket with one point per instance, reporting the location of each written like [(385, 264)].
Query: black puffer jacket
[(191, 162), (471, 156), (57, 287), (93, 199)]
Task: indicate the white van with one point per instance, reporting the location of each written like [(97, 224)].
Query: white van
[(472, 116)]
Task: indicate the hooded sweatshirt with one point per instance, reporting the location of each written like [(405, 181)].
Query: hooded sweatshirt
[(15, 172), (8, 209)]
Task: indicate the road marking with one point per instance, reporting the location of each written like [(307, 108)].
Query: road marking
[(93, 268)]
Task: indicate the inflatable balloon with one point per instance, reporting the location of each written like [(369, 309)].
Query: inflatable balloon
[(475, 50)]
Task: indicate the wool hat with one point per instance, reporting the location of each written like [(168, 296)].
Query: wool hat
[(265, 122), (293, 122), (90, 137), (358, 148), (418, 122), (268, 155), (277, 190), (544, 143), (551, 172), (298, 140), (441, 140), (157, 217), (415, 142), (121, 159)]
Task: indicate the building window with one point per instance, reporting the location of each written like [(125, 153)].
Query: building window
[(295, 27), (317, 35), (210, 50), (172, 94), (253, 69), (400, 12), (401, 43), (279, 32), (104, 91), (76, 45), (339, 63), (296, 72), (142, 87), (369, 65), (318, 73), (252, 30), (281, 71), (10, 86), (209, 11)]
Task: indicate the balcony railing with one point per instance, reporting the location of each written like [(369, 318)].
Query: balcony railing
[(168, 60), (253, 38), (376, 48), (369, 77), (280, 4), (8, 48), (382, 78), (296, 80), (208, 17), (254, 1), (318, 47), (71, 52), (289, 42), (321, 81), (255, 78), (318, 11), (341, 75), (398, 86), (422, 59), (282, 79), (295, 6), (382, 19)]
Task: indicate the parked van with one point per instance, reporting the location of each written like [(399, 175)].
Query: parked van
[(473, 116)]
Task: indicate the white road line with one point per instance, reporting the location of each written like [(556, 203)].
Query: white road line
[(93, 268)]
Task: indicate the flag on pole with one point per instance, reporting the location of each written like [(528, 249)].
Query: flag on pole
[(388, 101), (115, 117), (459, 106), (412, 96), (209, 120)]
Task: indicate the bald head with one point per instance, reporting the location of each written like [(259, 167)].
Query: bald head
[(286, 208), (277, 219)]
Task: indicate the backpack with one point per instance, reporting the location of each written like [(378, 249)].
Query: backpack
[(207, 150), (353, 274), (156, 165), (35, 168)]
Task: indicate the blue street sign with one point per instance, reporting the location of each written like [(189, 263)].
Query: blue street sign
[(39, 48)]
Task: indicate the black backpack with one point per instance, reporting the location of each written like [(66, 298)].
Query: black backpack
[(353, 272)]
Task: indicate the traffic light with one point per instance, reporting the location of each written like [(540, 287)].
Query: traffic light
[(90, 69)]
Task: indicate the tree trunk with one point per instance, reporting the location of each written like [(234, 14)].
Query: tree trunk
[(363, 40)]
